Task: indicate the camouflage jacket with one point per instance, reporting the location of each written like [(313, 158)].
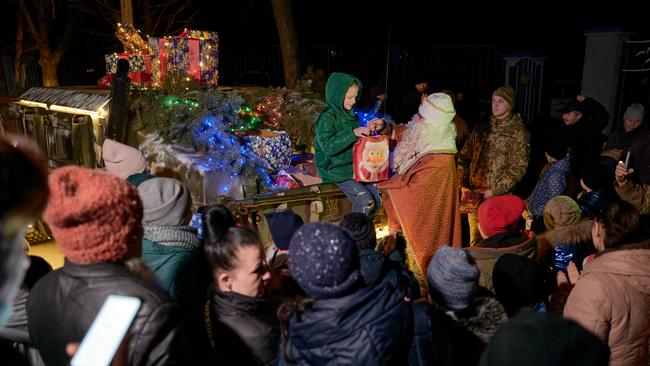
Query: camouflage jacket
[(495, 156), (635, 194)]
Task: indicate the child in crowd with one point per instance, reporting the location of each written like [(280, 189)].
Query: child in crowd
[(283, 225), (374, 264), (500, 224)]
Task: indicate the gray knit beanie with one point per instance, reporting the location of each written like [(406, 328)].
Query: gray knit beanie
[(634, 111), (453, 278), (166, 202)]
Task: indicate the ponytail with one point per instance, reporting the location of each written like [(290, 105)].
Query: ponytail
[(223, 238)]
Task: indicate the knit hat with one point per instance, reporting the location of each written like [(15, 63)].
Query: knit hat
[(283, 225), (596, 176), (506, 92), (324, 260), (635, 111), (520, 282), (437, 108), (122, 160), (561, 211), (166, 202), (500, 214), (541, 339), (361, 229), (94, 216), (453, 278)]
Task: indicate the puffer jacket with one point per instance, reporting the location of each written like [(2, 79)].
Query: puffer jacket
[(371, 326), (244, 331), (63, 304), (566, 244), (612, 300)]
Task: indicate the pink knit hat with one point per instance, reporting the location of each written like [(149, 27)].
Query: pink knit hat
[(122, 160), (94, 216)]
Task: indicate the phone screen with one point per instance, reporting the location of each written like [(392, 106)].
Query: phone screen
[(107, 331)]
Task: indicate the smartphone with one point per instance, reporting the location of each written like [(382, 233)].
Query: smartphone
[(627, 159), (107, 331)]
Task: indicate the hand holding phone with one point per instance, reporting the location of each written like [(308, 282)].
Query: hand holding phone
[(107, 331)]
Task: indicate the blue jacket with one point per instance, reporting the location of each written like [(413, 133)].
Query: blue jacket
[(371, 326), (551, 184)]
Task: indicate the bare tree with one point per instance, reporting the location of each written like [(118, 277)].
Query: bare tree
[(288, 41), (50, 24), (158, 17)]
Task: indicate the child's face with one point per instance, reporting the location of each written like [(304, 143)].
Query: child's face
[(350, 97)]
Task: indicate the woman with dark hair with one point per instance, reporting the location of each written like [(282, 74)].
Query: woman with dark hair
[(240, 321), (612, 296)]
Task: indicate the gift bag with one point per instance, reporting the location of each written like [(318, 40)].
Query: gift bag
[(370, 159)]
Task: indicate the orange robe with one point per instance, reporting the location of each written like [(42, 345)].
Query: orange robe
[(423, 203)]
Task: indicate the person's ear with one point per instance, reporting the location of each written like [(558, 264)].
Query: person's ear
[(224, 281)]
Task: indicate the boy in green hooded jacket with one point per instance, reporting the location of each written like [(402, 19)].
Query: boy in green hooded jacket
[(337, 129)]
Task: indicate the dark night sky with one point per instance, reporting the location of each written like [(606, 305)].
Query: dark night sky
[(548, 29), (554, 30)]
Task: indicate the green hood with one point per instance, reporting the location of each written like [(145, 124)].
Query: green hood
[(335, 89)]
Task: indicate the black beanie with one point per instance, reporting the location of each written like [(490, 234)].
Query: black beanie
[(361, 229), (556, 149), (596, 176)]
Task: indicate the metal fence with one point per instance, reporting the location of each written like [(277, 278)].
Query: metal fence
[(474, 70)]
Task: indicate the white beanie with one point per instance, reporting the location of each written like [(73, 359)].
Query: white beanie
[(122, 160), (634, 111), (437, 108)]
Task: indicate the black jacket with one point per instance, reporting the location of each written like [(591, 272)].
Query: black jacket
[(244, 330), (371, 326), (64, 303)]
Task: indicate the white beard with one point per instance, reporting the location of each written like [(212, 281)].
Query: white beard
[(420, 138)]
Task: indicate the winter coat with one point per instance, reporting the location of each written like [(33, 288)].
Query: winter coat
[(375, 266), (244, 330), (170, 252), (495, 156), (493, 248), (593, 203), (334, 131), (584, 137), (550, 185), (371, 326), (64, 303), (612, 300), (635, 194), (637, 142), (565, 244), (455, 338)]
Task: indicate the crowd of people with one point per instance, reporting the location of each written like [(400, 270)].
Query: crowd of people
[(559, 276)]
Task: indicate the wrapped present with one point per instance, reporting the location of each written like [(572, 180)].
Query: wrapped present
[(370, 158), (140, 68), (274, 147), (194, 53)]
